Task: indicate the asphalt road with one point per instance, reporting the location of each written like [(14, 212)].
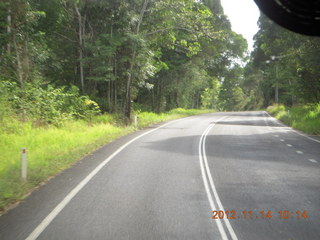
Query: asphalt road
[(256, 177)]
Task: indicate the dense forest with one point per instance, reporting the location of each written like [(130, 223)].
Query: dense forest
[(284, 67), (64, 59), (123, 55)]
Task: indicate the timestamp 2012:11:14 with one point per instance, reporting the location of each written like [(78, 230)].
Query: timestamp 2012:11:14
[(232, 214)]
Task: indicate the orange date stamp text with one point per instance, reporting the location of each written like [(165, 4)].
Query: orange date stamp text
[(265, 214)]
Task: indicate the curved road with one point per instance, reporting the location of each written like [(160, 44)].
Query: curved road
[(239, 175)]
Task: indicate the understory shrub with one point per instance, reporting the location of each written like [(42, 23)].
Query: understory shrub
[(46, 104)]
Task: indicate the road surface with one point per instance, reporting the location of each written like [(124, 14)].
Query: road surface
[(239, 175)]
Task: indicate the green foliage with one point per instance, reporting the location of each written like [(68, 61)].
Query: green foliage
[(288, 63), (116, 52), (305, 118), (192, 37), (210, 96), (45, 105), (231, 95), (8, 119)]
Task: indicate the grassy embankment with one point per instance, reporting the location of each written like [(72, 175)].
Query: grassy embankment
[(52, 149), (304, 118)]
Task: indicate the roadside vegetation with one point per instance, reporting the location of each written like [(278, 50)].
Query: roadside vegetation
[(52, 148), (304, 118)]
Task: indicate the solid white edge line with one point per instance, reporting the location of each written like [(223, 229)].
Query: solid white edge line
[(205, 182), (295, 131), (214, 190), (49, 218)]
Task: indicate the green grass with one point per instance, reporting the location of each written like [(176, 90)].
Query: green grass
[(304, 118), (52, 149), (148, 118)]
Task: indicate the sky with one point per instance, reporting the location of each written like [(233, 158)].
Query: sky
[(243, 15)]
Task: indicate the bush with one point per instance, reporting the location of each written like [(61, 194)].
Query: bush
[(8, 120), (46, 105)]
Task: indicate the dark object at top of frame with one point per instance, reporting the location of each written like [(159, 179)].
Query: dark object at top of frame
[(301, 16)]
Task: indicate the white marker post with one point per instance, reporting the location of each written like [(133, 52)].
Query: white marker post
[(135, 121), (24, 164)]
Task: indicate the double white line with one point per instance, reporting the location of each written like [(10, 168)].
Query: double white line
[(210, 187)]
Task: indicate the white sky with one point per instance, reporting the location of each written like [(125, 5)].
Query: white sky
[(243, 15)]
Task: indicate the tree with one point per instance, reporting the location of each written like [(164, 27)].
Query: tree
[(288, 61)]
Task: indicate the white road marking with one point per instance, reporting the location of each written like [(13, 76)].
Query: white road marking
[(299, 152), (281, 140), (306, 136), (210, 199), (289, 145), (203, 158), (276, 136), (312, 160), (47, 220)]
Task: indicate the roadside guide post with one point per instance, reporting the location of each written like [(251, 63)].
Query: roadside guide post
[(24, 164), (135, 121)]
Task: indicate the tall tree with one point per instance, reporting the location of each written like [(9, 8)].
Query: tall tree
[(288, 62)]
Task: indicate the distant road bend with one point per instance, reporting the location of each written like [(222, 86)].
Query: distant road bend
[(237, 175)]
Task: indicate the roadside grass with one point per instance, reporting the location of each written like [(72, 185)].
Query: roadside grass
[(52, 149), (304, 118), (147, 118)]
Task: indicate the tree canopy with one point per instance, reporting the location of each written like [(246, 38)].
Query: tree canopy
[(284, 66), (156, 55)]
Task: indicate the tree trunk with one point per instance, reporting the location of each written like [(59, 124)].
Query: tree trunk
[(159, 96), (109, 95), (176, 99), (115, 85), (277, 86), (127, 101), (9, 30), (18, 61), (80, 38)]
